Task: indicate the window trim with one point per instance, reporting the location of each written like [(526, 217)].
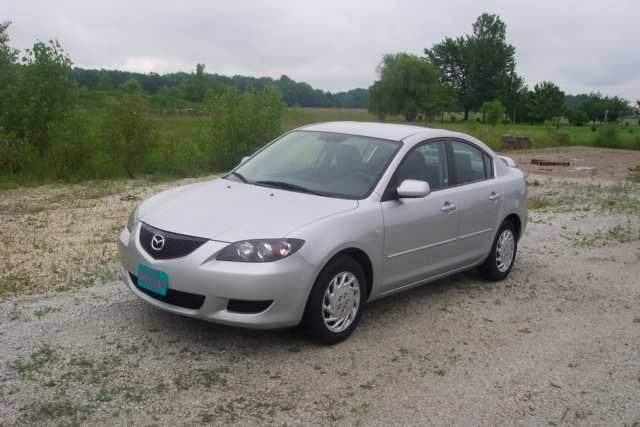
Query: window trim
[(453, 167), (390, 192)]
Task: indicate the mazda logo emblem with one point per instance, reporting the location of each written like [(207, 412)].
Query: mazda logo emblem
[(157, 242)]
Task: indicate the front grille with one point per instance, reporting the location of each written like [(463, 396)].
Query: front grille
[(248, 307), (174, 245), (173, 297)]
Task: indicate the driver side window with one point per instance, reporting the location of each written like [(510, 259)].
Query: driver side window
[(428, 162)]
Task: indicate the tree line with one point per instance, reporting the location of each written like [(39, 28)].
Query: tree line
[(199, 85), (477, 73)]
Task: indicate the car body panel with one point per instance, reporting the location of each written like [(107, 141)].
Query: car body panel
[(228, 211)]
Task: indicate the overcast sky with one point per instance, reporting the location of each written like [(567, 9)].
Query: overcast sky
[(335, 45)]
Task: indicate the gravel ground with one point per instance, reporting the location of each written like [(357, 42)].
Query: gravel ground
[(557, 343)]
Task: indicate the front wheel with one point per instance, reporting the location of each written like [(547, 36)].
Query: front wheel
[(503, 253), (336, 301)]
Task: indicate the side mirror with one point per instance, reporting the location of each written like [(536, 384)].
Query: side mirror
[(244, 159), (412, 189)]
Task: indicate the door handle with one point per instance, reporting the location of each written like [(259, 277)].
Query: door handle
[(494, 196), (448, 207)]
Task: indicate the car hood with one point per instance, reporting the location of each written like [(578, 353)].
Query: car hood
[(229, 211)]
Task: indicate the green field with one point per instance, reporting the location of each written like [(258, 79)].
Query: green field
[(542, 136), (195, 126)]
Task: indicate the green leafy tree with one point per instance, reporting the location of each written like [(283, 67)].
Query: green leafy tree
[(493, 111), (408, 85), (617, 107), (478, 67), (453, 59), (104, 81), (131, 87), (41, 93), (547, 102), (8, 57), (578, 117), (128, 133), (240, 123), (195, 89)]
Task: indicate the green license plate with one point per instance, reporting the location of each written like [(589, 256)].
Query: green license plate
[(153, 280)]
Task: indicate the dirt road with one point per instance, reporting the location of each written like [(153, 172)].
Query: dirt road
[(557, 343)]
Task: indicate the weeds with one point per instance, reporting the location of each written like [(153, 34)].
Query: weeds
[(534, 203)]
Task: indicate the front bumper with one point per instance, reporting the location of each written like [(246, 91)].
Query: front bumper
[(286, 282)]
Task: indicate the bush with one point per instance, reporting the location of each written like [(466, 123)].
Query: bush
[(608, 136), (578, 118), (73, 146), (555, 137), (242, 123), (15, 156), (128, 133), (493, 112)]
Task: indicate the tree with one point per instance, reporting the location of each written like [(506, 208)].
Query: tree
[(131, 87), (493, 112), (492, 59), (616, 108), (452, 58), (408, 85), (547, 102), (578, 117), (8, 66), (195, 89), (128, 132), (104, 81), (515, 98), (41, 93), (479, 67), (240, 123)]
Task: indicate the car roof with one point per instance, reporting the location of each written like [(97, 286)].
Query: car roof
[(409, 134), (391, 131)]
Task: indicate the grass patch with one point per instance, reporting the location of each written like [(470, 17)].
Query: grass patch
[(535, 203), (36, 362), (12, 284)]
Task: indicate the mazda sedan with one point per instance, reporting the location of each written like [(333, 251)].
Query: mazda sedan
[(323, 220)]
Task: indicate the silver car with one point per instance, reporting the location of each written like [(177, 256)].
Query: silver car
[(322, 220)]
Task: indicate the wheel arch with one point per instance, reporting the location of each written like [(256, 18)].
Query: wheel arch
[(517, 222)]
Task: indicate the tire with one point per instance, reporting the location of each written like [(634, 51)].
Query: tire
[(495, 269), (346, 278)]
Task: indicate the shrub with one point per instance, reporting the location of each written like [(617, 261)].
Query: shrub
[(608, 136), (555, 137), (578, 118), (493, 112), (128, 133), (242, 123), (15, 156), (73, 145)]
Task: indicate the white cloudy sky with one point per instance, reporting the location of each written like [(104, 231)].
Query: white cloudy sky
[(335, 44)]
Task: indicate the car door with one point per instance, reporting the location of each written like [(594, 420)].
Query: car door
[(478, 199), (420, 233)]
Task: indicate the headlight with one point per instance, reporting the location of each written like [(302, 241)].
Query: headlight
[(261, 250), (133, 217)]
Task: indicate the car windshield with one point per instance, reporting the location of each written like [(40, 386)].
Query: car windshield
[(323, 163)]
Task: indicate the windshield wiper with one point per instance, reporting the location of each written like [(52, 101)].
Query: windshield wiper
[(285, 186), (238, 175)]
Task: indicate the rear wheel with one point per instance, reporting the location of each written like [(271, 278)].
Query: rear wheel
[(336, 301), (503, 253)]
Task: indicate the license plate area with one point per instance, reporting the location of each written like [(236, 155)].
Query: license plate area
[(153, 280)]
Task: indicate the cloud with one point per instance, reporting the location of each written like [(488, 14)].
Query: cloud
[(335, 45)]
